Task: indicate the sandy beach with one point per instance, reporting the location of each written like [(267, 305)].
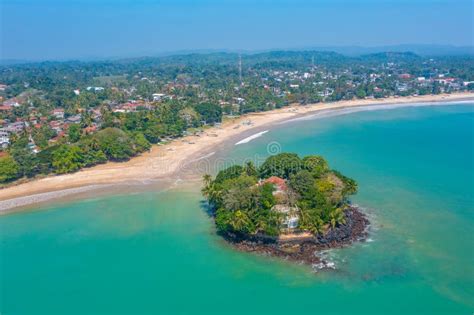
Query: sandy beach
[(163, 161)]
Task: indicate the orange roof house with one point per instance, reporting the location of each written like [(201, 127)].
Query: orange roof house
[(278, 182)]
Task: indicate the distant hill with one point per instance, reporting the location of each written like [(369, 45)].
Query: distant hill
[(422, 50), (324, 53), (392, 56), (320, 55)]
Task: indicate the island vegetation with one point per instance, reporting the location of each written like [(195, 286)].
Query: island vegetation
[(287, 199)]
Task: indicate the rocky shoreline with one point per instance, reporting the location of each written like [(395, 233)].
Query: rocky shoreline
[(303, 250)]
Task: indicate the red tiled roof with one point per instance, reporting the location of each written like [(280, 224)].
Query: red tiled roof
[(277, 181), (90, 129)]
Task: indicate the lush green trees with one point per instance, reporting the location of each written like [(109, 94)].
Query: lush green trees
[(26, 159), (311, 220), (315, 164), (302, 182), (361, 93), (331, 187), (108, 144), (74, 133), (153, 133), (250, 169), (231, 172), (350, 185), (44, 160), (140, 142), (337, 217), (266, 198), (91, 151), (210, 113), (236, 221), (8, 169), (67, 159), (246, 202), (115, 144), (42, 135), (281, 165), (86, 119), (190, 116)]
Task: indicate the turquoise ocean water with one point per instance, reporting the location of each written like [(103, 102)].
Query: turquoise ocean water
[(156, 252)]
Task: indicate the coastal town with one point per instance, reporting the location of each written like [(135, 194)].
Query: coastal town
[(54, 117)]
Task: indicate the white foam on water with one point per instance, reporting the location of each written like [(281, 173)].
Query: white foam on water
[(328, 260), (252, 137)]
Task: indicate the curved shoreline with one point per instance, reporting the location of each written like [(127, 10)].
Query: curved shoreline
[(166, 161)]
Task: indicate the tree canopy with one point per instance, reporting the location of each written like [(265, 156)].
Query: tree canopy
[(210, 113), (284, 190), (281, 165), (8, 168), (115, 143)]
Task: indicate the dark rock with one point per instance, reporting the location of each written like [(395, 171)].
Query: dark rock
[(304, 250)]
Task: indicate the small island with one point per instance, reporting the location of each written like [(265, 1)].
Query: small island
[(289, 207)]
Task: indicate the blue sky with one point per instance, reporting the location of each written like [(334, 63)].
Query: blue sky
[(53, 29)]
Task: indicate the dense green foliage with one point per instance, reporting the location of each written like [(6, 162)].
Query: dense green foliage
[(67, 159), (108, 144), (8, 168), (210, 113), (248, 201), (281, 165), (115, 143), (74, 133)]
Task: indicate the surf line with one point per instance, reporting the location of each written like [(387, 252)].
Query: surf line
[(252, 137)]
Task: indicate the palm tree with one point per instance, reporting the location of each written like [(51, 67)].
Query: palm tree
[(261, 224), (250, 169), (208, 190), (240, 221), (317, 226), (311, 221), (350, 187), (337, 217), (207, 178)]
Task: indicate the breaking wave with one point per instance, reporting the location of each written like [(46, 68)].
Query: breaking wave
[(252, 137)]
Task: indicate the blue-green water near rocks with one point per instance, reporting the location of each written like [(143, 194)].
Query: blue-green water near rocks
[(156, 252)]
